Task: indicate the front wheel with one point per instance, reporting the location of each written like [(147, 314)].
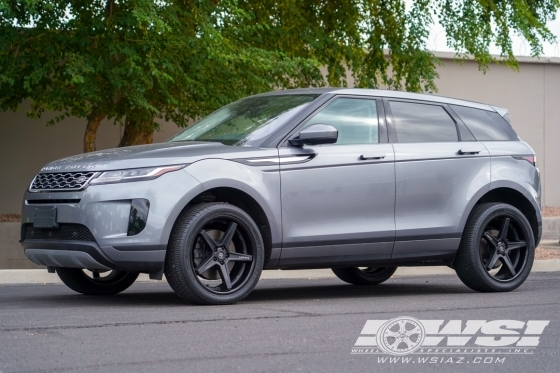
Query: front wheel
[(215, 254), (96, 282), (497, 249), (364, 276)]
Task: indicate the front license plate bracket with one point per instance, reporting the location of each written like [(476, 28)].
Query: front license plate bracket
[(45, 217)]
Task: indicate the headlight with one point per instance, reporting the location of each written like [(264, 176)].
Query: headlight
[(137, 174)]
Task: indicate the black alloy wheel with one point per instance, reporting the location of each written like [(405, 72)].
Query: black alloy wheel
[(364, 275), (222, 252), (497, 248), (503, 248), (96, 282), (215, 254)]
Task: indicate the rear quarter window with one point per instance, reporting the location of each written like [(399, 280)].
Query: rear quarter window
[(485, 125)]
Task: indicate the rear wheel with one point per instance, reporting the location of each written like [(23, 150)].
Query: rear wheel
[(497, 249), (215, 254), (364, 275), (96, 282)]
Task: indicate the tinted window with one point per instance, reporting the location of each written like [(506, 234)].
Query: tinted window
[(483, 125), (355, 119), (422, 123)]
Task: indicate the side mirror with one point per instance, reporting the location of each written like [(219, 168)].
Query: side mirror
[(316, 134)]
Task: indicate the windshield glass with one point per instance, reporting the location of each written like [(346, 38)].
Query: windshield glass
[(243, 122)]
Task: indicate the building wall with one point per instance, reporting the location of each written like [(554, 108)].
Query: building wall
[(532, 95)]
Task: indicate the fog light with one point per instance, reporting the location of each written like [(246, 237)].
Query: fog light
[(138, 216)]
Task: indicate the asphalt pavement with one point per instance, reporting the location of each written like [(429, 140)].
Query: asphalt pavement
[(292, 325)]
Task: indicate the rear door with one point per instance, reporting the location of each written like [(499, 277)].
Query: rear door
[(438, 167)]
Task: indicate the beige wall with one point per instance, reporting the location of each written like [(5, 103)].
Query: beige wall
[(532, 95)]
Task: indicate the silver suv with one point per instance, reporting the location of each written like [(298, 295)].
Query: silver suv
[(360, 181)]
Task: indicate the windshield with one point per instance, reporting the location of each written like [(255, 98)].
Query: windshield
[(243, 122)]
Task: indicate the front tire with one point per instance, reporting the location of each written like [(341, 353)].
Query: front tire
[(215, 254), (497, 249), (96, 282), (365, 276)]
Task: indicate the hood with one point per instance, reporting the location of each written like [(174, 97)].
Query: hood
[(152, 155)]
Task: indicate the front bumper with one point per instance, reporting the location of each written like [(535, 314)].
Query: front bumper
[(106, 211)]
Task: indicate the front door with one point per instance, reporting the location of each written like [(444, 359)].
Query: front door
[(338, 199)]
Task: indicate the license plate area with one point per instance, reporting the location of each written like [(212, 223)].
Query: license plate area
[(45, 217)]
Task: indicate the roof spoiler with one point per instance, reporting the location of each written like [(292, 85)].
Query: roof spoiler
[(500, 110), (503, 112)]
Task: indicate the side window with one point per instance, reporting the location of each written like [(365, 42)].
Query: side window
[(422, 122), (354, 118), (483, 125)]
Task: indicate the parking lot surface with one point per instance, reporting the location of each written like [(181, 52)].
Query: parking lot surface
[(295, 325)]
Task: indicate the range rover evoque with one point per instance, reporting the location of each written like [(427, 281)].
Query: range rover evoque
[(361, 181)]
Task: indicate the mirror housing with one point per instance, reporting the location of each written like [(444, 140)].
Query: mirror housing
[(316, 134)]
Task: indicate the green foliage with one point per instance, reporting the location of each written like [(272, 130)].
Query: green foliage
[(136, 60)]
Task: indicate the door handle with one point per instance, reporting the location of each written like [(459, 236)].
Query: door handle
[(468, 151), (366, 156)]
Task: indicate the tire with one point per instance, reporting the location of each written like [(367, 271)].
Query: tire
[(113, 283), (367, 276), (497, 249), (215, 254)]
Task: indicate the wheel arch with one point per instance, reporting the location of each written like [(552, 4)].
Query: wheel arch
[(244, 201), (514, 195)]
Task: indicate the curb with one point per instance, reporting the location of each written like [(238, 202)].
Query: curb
[(41, 276)]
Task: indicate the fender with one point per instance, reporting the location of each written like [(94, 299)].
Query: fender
[(495, 185), (262, 183)]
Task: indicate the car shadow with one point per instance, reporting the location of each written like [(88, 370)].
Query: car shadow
[(268, 291)]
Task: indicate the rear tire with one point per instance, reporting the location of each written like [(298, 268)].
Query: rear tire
[(367, 276), (113, 283), (497, 249)]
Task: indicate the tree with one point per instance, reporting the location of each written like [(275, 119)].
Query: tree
[(136, 60)]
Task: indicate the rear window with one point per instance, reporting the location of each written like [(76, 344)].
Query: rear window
[(422, 123), (485, 125)]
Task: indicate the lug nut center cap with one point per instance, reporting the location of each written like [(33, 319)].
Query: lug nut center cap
[(221, 255)]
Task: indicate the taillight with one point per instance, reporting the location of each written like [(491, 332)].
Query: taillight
[(532, 159)]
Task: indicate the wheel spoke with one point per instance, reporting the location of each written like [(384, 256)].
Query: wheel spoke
[(491, 240), (407, 341), (507, 262), (390, 333), (226, 240), (95, 274), (516, 245), (208, 240), (402, 326), (226, 280), (416, 330), (492, 262), (235, 257), (504, 230), (396, 343), (209, 263)]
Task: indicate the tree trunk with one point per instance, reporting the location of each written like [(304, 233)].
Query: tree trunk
[(94, 120), (137, 133)]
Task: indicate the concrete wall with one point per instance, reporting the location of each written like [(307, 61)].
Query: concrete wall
[(532, 95), (11, 252)]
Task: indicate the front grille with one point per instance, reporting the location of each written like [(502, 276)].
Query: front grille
[(61, 181), (65, 232)]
